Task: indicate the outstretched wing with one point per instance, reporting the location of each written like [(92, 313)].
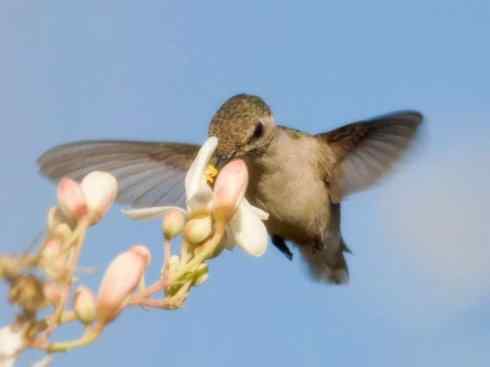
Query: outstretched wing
[(149, 173), (364, 151)]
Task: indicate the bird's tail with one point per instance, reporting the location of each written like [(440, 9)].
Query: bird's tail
[(325, 259), (327, 267)]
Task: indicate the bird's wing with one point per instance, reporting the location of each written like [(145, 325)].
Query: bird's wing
[(364, 151), (149, 173)]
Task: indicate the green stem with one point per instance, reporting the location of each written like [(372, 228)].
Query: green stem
[(80, 232), (91, 333), (207, 250)]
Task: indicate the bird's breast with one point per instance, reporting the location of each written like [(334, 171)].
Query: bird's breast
[(289, 188)]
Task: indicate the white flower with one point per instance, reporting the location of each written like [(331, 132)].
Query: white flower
[(11, 343), (245, 228)]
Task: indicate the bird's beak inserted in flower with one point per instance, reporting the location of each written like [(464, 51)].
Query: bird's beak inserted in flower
[(215, 218), (244, 222)]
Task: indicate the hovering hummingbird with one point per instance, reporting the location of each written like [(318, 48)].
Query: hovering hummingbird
[(300, 179)]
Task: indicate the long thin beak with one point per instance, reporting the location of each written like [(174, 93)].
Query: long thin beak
[(219, 160)]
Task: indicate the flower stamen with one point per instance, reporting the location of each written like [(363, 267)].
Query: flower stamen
[(211, 173)]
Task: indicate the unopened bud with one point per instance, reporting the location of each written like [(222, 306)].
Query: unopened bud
[(121, 278), (71, 199), (173, 223), (52, 250), (198, 229), (229, 189), (53, 258), (55, 217), (85, 308), (52, 293), (100, 190), (62, 231)]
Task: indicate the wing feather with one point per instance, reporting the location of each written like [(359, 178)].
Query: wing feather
[(365, 151), (149, 173)]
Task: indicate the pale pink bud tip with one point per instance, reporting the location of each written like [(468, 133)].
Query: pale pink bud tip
[(230, 187), (85, 305), (142, 251), (121, 278), (100, 190), (173, 223), (71, 198)]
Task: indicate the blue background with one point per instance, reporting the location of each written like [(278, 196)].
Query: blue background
[(420, 274)]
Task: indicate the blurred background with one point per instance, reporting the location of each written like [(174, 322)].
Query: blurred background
[(157, 70)]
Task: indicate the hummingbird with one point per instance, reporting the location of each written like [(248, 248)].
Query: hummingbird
[(300, 179)]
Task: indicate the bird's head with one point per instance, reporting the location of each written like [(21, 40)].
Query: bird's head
[(244, 126)]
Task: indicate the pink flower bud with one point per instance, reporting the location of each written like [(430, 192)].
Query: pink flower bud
[(52, 250), (121, 278), (53, 258), (84, 305), (230, 187), (71, 199), (100, 190), (61, 232), (52, 293), (173, 223)]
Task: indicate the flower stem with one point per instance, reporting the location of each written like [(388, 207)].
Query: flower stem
[(91, 333), (208, 249), (79, 239)]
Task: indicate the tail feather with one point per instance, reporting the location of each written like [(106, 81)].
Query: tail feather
[(327, 267), (325, 258)]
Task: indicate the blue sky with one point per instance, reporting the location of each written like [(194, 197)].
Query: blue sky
[(420, 284)]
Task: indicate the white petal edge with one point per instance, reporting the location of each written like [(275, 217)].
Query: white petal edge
[(11, 342), (248, 231), (194, 179), (154, 212), (262, 214)]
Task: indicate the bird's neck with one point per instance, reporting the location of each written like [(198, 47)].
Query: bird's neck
[(265, 158)]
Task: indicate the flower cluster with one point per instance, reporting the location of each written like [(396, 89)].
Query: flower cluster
[(216, 217)]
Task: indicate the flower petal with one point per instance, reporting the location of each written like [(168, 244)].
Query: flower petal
[(154, 212), (11, 342), (228, 240), (229, 188), (262, 214), (100, 190), (248, 231), (195, 180)]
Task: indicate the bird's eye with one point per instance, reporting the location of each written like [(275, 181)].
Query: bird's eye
[(258, 131)]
